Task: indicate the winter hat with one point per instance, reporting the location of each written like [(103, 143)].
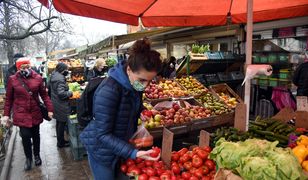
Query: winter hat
[(17, 56), (61, 67), (22, 61)]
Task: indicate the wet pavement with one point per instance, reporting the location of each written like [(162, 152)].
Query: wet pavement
[(57, 164)]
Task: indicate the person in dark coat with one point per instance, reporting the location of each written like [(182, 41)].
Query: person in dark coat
[(60, 95), (12, 70), (24, 105), (300, 79), (116, 108), (99, 69)]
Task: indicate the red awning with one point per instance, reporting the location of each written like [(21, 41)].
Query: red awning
[(155, 13)]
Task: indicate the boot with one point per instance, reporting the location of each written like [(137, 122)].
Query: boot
[(28, 164), (37, 160)]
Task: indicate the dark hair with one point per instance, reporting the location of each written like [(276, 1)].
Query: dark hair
[(142, 56)]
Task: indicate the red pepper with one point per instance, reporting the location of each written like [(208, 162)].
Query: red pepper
[(300, 130)]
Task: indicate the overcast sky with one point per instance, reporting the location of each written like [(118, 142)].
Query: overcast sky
[(89, 30)]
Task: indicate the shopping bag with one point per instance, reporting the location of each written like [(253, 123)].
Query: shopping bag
[(142, 138)]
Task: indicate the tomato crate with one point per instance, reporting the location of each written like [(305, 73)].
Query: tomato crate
[(73, 128)]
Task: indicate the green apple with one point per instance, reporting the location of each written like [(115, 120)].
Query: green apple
[(157, 118), (139, 121), (151, 124), (157, 124)]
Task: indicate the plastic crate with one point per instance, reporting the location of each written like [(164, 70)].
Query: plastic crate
[(263, 59), (213, 55), (263, 81), (273, 82), (227, 55), (237, 75), (284, 83), (224, 76), (211, 78), (256, 58), (272, 58), (284, 74), (283, 58)]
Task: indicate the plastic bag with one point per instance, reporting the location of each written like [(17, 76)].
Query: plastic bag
[(281, 97), (142, 138)]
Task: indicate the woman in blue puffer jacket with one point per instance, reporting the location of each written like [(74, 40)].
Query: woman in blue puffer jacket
[(116, 108)]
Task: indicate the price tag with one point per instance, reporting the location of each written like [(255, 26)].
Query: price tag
[(302, 103), (204, 138), (167, 147)]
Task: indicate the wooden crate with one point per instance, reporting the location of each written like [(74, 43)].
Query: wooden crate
[(218, 88), (195, 62)]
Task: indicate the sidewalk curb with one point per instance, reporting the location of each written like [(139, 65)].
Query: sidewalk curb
[(9, 155)]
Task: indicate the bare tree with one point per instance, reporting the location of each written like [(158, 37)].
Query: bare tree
[(27, 19)]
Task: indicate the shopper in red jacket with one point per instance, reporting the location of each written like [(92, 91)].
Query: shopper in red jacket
[(23, 105)]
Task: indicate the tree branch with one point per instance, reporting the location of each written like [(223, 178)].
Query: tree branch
[(28, 31)]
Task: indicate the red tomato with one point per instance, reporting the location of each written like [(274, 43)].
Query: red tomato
[(190, 154), (130, 162), (207, 149), (193, 178), (186, 175), (147, 113), (210, 164), (192, 170), (205, 169), (138, 160), (165, 176), (199, 173), (188, 165), (141, 165), (144, 170), (143, 177), (197, 162), (151, 171), (175, 157), (157, 165), (135, 171), (196, 149), (148, 163), (183, 151), (206, 178), (154, 178), (176, 169), (124, 168), (160, 171), (155, 152), (203, 154), (173, 178), (184, 158)]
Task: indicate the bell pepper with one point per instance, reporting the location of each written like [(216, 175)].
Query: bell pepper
[(300, 152), (305, 165), (302, 140)]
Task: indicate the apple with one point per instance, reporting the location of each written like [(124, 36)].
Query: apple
[(157, 117)]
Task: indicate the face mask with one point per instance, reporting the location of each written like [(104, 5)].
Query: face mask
[(25, 72), (138, 86), (65, 73)]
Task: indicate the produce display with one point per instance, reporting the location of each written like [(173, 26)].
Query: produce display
[(214, 104), (77, 77), (272, 130), (111, 62), (230, 134), (75, 88), (72, 63), (257, 159), (192, 85), (300, 150), (164, 89), (230, 101), (193, 164), (200, 49), (173, 115)]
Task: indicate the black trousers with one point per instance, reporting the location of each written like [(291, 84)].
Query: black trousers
[(26, 135), (60, 127)]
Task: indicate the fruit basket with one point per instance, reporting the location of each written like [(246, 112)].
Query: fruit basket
[(192, 85), (226, 94), (195, 62), (164, 90), (212, 102)]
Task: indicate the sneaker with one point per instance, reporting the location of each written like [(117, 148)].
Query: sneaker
[(37, 160)]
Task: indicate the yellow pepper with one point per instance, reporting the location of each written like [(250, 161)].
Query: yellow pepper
[(305, 165), (302, 140), (300, 152)]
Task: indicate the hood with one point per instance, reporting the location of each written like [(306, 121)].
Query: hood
[(118, 73), (56, 76)]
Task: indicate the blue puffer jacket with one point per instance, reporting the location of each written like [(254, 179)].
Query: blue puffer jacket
[(116, 108)]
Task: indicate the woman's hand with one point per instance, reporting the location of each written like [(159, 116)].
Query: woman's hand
[(146, 155), (5, 120), (50, 114)]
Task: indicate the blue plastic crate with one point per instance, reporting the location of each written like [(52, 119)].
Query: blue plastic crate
[(213, 55)]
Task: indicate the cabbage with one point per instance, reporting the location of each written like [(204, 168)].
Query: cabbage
[(257, 168), (286, 163)]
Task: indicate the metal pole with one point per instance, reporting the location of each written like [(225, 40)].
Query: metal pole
[(248, 55)]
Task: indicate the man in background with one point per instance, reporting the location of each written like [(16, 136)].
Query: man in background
[(12, 69)]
